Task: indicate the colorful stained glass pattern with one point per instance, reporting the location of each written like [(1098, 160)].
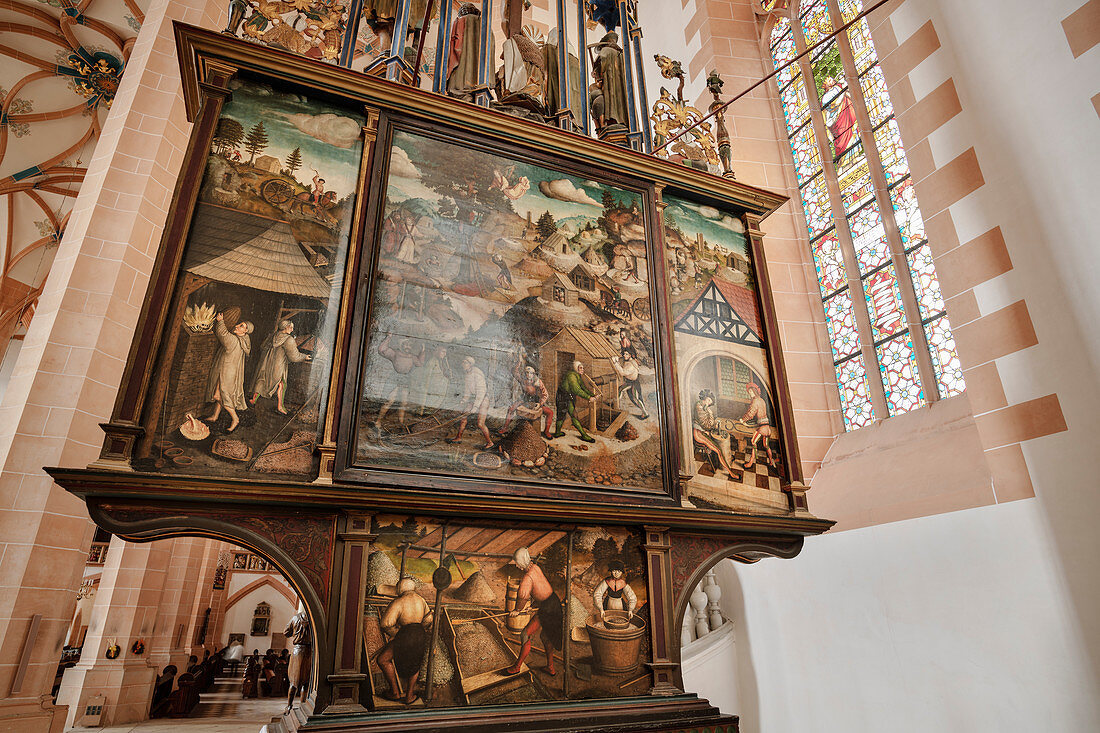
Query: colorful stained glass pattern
[(882, 289), (859, 35), (891, 151), (850, 9), (829, 262), (782, 43), (907, 213), (925, 283), (869, 238), (855, 398), (873, 83), (815, 202), (898, 364), (854, 176), (795, 107), (884, 303), (815, 21), (807, 158), (945, 359), (842, 325)]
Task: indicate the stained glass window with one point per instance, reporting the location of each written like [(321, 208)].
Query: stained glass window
[(888, 273)]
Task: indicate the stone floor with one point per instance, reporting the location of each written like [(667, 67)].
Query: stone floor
[(222, 710)]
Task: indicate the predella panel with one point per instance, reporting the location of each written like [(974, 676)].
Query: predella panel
[(728, 407), (247, 350), (462, 614), (510, 334)]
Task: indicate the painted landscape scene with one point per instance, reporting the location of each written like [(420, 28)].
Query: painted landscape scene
[(249, 344), (462, 614), (510, 332), (727, 405)]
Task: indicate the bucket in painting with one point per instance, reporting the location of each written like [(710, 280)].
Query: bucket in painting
[(617, 645), (514, 623)]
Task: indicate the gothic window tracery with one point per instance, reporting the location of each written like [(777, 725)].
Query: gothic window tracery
[(891, 340)]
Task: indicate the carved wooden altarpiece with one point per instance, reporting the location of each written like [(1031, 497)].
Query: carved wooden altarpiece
[(397, 343)]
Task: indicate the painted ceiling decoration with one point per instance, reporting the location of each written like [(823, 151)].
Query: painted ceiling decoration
[(62, 64)]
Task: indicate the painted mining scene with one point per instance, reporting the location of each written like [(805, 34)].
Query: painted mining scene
[(461, 615), (511, 324)]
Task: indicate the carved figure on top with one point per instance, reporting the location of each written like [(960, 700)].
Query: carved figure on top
[(521, 80), (609, 100), (464, 55), (381, 15), (725, 148)]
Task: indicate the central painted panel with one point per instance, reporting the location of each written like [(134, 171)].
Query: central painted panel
[(509, 333)]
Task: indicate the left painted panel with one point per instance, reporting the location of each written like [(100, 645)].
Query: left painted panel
[(247, 351)]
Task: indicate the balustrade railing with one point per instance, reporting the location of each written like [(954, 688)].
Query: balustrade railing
[(703, 615)]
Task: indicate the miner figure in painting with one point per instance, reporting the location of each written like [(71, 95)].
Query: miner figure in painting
[(475, 402), (406, 622), (614, 593), (225, 388), (565, 400), (279, 352), (758, 412), (535, 591)]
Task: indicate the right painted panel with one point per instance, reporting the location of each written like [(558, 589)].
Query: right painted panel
[(727, 398)]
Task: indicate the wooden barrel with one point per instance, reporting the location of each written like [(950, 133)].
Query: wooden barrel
[(514, 623), (616, 651)]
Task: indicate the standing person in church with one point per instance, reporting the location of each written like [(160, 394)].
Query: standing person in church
[(614, 593), (280, 350), (535, 591), (406, 622), (225, 387)]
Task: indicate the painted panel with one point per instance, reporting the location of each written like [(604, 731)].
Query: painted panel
[(247, 351), (461, 614), (509, 334), (727, 402)]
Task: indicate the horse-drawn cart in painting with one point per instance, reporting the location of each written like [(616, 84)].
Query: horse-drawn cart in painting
[(282, 194)]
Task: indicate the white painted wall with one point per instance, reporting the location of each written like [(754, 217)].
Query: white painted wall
[(238, 617), (986, 619)]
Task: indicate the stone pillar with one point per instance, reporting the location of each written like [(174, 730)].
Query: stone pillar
[(169, 643), (126, 609), (64, 381), (203, 596)]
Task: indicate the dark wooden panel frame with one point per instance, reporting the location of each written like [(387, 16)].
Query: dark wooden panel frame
[(350, 471)]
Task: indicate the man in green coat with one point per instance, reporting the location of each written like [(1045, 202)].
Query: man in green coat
[(570, 388)]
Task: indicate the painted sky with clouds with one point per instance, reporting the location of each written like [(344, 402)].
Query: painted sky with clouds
[(718, 227), (329, 136), (563, 195)]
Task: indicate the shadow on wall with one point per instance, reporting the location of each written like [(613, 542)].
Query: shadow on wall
[(719, 666)]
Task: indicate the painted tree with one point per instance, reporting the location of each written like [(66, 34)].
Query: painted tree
[(546, 225), (294, 160), (256, 140), (228, 135), (465, 175)]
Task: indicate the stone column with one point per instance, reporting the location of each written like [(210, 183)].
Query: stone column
[(169, 643), (126, 609), (64, 380)]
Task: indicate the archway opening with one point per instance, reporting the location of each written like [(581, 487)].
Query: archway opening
[(184, 627)]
